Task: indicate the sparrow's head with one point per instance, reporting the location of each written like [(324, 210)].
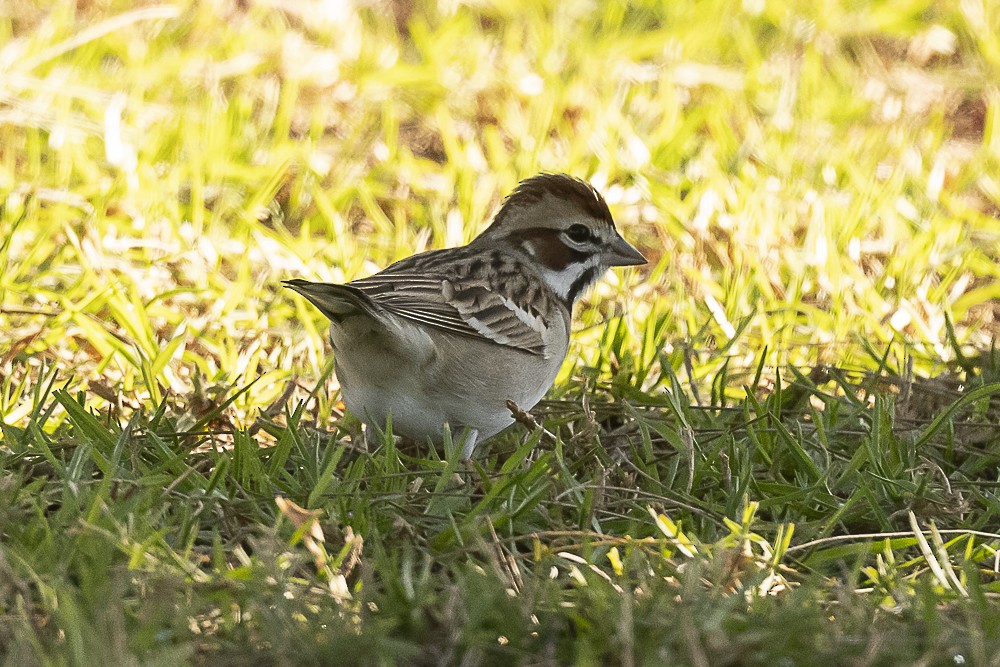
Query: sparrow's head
[(564, 226)]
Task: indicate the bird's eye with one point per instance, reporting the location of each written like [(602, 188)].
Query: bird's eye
[(578, 233)]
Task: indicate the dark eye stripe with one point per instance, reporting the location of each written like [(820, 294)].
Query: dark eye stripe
[(550, 249)]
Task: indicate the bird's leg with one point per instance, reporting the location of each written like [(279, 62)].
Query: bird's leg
[(372, 438), (470, 437)]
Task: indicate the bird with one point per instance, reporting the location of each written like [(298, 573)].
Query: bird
[(448, 337)]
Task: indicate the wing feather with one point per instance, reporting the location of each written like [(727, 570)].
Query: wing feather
[(464, 292)]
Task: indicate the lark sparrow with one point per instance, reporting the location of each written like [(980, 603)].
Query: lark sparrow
[(449, 336)]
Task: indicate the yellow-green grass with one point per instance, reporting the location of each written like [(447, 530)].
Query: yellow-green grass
[(817, 189)]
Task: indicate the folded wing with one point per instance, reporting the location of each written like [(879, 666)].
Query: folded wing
[(487, 298)]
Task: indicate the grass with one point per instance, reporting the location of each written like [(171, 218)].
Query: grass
[(776, 444)]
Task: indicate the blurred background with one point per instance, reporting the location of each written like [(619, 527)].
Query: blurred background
[(815, 185), (753, 440)]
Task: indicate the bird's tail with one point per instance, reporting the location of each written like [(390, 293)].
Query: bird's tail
[(334, 301)]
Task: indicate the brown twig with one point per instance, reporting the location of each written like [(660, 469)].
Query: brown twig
[(527, 421)]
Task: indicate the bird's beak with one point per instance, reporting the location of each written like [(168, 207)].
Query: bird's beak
[(622, 253)]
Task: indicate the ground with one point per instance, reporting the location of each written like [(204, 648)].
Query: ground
[(775, 444)]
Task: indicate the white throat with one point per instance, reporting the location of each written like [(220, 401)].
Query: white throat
[(571, 281)]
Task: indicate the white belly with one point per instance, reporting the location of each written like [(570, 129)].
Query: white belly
[(427, 383)]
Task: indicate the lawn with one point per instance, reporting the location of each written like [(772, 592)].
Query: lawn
[(775, 444)]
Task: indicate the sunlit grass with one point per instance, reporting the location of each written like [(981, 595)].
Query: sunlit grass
[(745, 431)]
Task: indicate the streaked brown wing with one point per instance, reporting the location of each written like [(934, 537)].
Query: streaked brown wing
[(463, 293)]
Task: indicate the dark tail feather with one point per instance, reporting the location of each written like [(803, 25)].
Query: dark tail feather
[(334, 301)]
